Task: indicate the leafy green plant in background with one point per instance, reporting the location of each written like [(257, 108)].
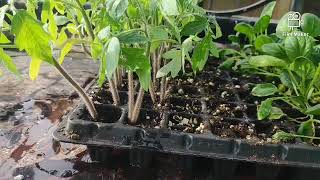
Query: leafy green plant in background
[(256, 36), (292, 62), (147, 39)]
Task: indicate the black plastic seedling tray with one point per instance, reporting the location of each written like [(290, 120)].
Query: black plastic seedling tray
[(166, 131)]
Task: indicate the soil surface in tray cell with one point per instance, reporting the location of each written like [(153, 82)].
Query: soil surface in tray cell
[(149, 119), (193, 106), (186, 123), (222, 109)]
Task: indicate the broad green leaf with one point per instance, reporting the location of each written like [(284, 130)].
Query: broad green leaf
[(117, 8), (262, 90), (276, 113), (262, 24), (274, 49), (304, 67), (266, 61), (64, 51), (53, 28), (262, 40), (314, 110), (245, 29), (59, 6), (285, 79), (112, 56), (169, 7), (31, 37), (46, 10), (34, 68), (201, 53), (268, 9), (264, 109), (133, 36), (194, 27), (174, 66), (137, 61), (283, 26), (297, 46), (307, 129), (311, 24), (7, 61), (104, 33)]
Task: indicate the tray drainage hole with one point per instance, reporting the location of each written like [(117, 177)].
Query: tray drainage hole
[(188, 141)]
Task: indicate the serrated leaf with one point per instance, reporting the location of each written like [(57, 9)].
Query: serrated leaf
[(31, 37), (282, 136), (169, 7), (194, 27), (174, 66), (201, 53)]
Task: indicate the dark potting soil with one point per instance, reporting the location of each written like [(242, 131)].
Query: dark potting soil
[(213, 101)]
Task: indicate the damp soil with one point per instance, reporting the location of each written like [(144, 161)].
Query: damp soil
[(213, 101)]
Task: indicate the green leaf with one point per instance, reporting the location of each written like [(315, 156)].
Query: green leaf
[(262, 24), (4, 39), (282, 136), (133, 36), (227, 64), (104, 33), (268, 9), (169, 7), (262, 90), (201, 53), (102, 71), (266, 61), (64, 51), (194, 27), (264, 109), (7, 61), (96, 49), (158, 33), (283, 26), (31, 37), (46, 10), (314, 110), (234, 38), (117, 8), (139, 63), (304, 67), (246, 29), (34, 68), (174, 66), (276, 113), (112, 56), (311, 24), (262, 40), (307, 129), (61, 20), (297, 46), (274, 49)]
